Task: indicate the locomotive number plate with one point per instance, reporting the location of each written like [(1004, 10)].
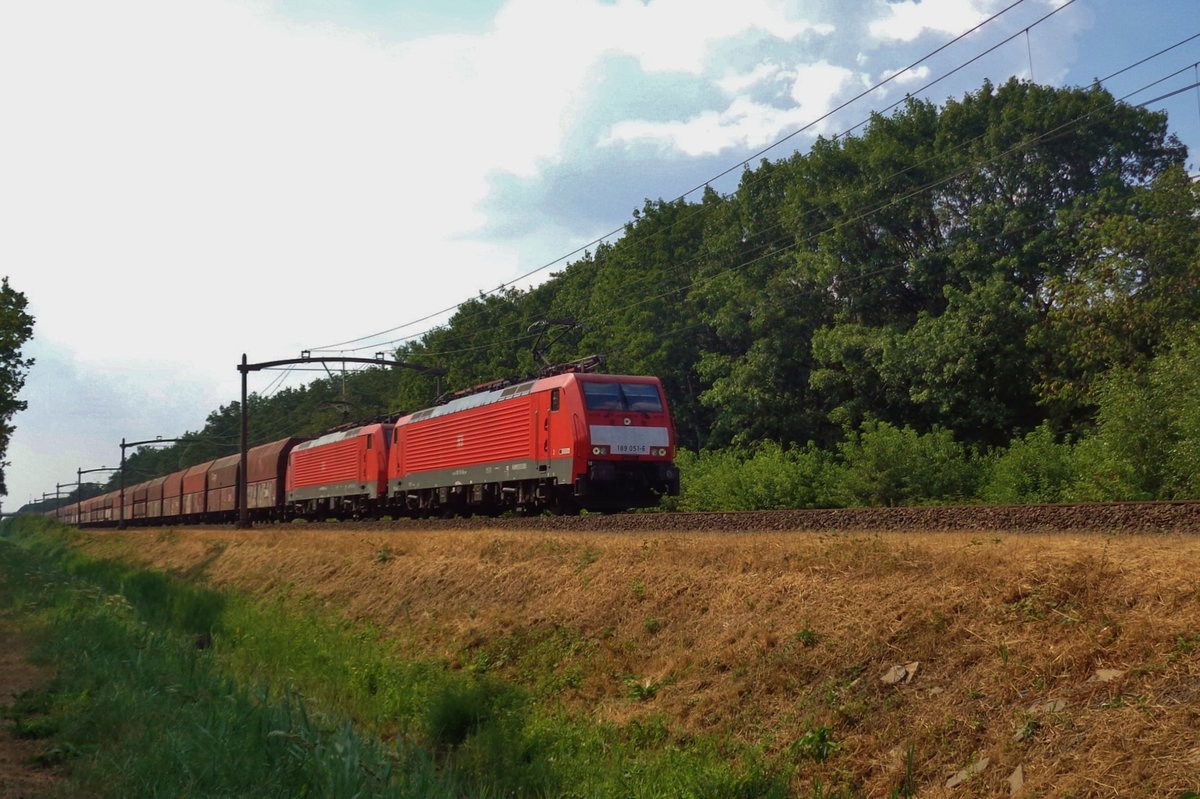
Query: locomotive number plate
[(631, 449)]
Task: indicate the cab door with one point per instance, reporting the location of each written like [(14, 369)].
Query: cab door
[(560, 435)]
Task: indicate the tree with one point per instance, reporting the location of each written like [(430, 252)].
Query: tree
[(761, 303), (968, 369), (1147, 439), (1134, 283), (987, 262), (16, 328), (963, 273)]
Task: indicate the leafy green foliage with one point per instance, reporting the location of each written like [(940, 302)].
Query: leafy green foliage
[(886, 465), (816, 744), (1147, 439), (879, 464), (765, 478), (16, 328), (1036, 468)]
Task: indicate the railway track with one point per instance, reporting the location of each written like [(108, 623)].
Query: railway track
[(1110, 517)]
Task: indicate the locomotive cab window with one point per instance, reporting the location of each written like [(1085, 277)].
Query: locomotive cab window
[(622, 397), (603, 397), (641, 397), (554, 399)]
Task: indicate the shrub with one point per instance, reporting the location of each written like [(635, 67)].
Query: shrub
[(1147, 439), (766, 477), (1035, 468), (1175, 383), (457, 709), (886, 465)]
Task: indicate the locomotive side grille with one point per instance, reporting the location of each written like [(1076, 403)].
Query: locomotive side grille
[(494, 433), (332, 463)]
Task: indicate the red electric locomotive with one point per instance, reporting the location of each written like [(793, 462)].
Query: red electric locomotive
[(568, 442), (339, 474)]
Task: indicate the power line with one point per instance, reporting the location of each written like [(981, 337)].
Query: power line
[(698, 209), (699, 187), (778, 246), (928, 85), (866, 213)]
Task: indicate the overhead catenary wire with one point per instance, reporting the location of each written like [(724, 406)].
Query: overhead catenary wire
[(595, 320), (773, 248), (786, 243), (740, 163), (777, 251), (1170, 94), (890, 107), (1059, 129)]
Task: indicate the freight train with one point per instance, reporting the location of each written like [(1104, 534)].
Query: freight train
[(564, 443)]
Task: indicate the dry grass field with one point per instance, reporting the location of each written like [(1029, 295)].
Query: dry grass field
[(1036, 665)]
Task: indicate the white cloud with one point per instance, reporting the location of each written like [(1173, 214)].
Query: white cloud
[(183, 157), (665, 35), (914, 75), (817, 87), (541, 51), (174, 171), (738, 82), (907, 20), (743, 123)]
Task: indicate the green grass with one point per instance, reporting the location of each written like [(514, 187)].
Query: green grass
[(165, 688)]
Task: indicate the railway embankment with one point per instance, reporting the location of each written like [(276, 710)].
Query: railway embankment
[(1086, 517), (1059, 657)]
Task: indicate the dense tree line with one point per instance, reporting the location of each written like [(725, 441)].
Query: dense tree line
[(1021, 265)]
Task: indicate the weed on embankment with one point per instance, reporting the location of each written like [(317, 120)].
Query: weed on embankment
[(163, 688)]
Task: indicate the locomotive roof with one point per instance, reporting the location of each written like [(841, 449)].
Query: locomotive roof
[(341, 435), (474, 401), (518, 390)]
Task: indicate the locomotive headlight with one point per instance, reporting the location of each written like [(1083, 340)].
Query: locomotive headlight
[(598, 450)]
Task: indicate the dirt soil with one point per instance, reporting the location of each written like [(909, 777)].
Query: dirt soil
[(984, 663), (19, 777)]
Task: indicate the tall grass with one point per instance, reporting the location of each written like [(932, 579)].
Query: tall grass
[(164, 688), (137, 710)]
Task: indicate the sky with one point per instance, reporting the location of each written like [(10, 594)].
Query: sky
[(185, 182)]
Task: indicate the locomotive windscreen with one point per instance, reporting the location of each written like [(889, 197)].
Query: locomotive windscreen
[(622, 397)]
